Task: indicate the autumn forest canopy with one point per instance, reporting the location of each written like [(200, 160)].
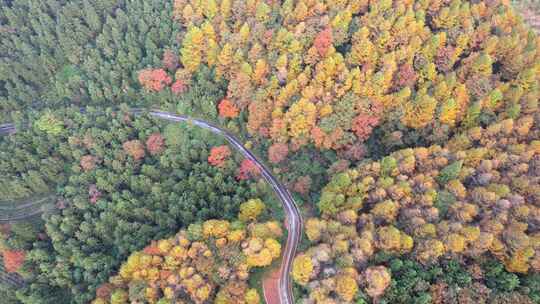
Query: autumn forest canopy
[(408, 132)]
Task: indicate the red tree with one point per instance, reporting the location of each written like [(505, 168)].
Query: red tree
[(443, 59), (134, 148), (363, 125), (323, 41), (154, 79), (218, 156), (88, 162), (104, 291), (155, 144), (247, 170), (227, 109), (353, 152), (406, 76), (178, 87), (170, 60), (13, 259), (93, 193), (277, 152), (152, 249)]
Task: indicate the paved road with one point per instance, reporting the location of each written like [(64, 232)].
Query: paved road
[(12, 279), (293, 216), (26, 210)]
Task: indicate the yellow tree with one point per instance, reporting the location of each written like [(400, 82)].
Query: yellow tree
[(192, 47), (302, 269), (250, 210)]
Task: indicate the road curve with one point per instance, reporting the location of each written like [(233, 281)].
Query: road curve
[(293, 216)]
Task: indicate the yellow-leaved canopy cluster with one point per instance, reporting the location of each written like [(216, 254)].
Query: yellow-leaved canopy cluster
[(208, 262), (329, 72), (477, 196)]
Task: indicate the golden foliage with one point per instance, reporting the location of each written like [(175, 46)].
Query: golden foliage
[(302, 269), (250, 210), (215, 267), (397, 60)]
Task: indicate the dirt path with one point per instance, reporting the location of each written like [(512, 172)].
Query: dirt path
[(270, 285)]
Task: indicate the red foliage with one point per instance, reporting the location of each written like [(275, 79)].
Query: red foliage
[(363, 125), (268, 36), (218, 156), (340, 166), (406, 76), (104, 291), (61, 204), (170, 60), (278, 152), (164, 274), (152, 249), (323, 41), (13, 259), (227, 109), (302, 184), (443, 58), (178, 87), (134, 148), (247, 170), (88, 162), (155, 144), (93, 193), (154, 79)]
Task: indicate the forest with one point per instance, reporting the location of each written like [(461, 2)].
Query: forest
[(407, 132)]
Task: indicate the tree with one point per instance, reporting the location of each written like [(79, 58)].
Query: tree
[(88, 162), (219, 155), (378, 279), (178, 87), (134, 148), (323, 41), (155, 144), (346, 287), (302, 269), (227, 109), (363, 125), (154, 80), (13, 259), (50, 124), (192, 49), (170, 60), (247, 170), (250, 210), (278, 152)]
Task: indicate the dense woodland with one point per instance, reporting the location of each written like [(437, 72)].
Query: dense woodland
[(121, 181), (408, 131)]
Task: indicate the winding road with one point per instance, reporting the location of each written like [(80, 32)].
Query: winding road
[(293, 217)]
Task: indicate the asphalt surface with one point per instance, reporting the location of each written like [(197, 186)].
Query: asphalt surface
[(26, 210), (293, 216)]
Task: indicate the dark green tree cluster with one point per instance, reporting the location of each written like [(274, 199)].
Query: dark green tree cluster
[(486, 281), (79, 52), (41, 40)]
